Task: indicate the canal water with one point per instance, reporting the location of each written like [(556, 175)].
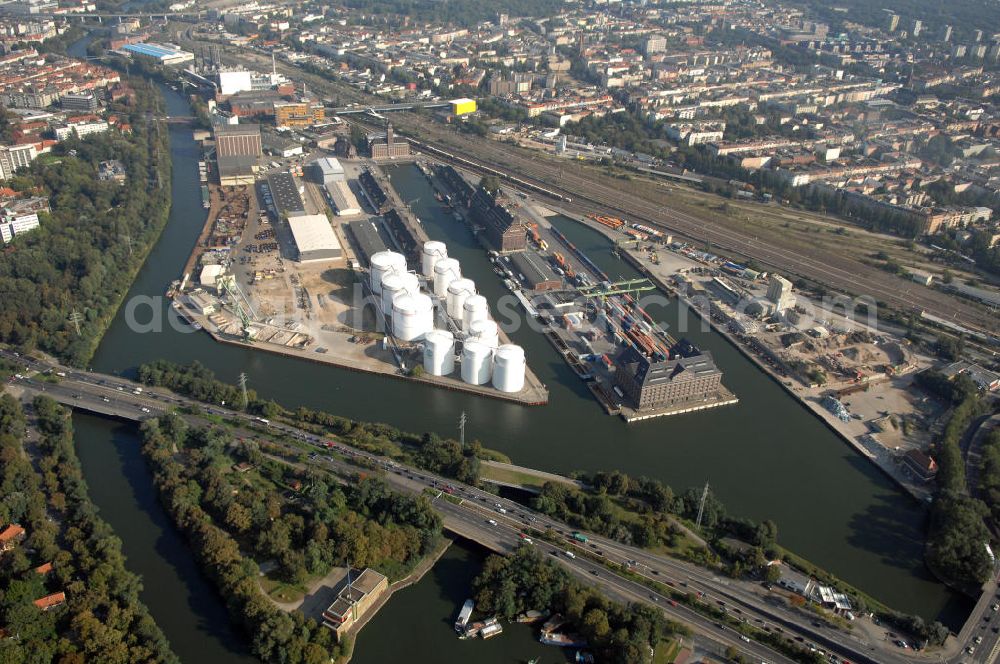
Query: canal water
[(765, 458)]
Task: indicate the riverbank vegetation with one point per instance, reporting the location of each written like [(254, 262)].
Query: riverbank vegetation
[(429, 451), (241, 507), (957, 536), (63, 282), (524, 581), (66, 554), (645, 512)]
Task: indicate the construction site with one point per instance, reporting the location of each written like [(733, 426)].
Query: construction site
[(855, 376), (295, 264)]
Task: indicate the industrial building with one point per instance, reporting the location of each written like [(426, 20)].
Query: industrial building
[(236, 170), (239, 140), (342, 198), (367, 239), (287, 197), (534, 272), (327, 170), (779, 292), (385, 146), (298, 113), (158, 53), (463, 106), (355, 600), (504, 231), (314, 238), (648, 384)]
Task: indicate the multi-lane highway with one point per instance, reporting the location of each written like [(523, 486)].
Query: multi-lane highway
[(501, 524)]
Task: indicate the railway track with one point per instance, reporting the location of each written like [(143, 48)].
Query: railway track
[(574, 192), (587, 195)]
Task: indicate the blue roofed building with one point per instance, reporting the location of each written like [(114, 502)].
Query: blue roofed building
[(158, 53)]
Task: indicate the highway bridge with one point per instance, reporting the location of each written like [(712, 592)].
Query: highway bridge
[(100, 17), (499, 524)]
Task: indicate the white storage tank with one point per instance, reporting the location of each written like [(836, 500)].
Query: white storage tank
[(487, 331), (433, 251), (439, 353), (446, 270), (383, 263), (412, 316), (458, 291), (508, 368), (477, 362), (475, 308), (394, 284)]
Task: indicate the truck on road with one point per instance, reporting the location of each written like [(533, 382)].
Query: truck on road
[(579, 537)]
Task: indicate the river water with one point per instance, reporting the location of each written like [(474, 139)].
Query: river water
[(765, 458)]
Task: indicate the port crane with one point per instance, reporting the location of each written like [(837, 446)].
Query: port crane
[(241, 305), (624, 287)]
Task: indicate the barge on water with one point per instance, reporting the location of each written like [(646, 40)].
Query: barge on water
[(463, 616), (206, 201)]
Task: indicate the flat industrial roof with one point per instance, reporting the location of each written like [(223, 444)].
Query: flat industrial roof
[(343, 198), (367, 236), (312, 232), (286, 193), (154, 50)]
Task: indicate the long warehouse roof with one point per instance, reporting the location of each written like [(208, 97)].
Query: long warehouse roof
[(154, 50), (313, 232)]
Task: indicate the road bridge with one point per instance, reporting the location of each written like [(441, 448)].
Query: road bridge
[(499, 524)]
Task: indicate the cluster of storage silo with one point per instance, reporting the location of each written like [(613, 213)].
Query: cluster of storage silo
[(483, 357)]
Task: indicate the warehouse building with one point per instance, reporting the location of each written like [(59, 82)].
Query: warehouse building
[(649, 384), (367, 239), (239, 140), (534, 272), (314, 238), (327, 170), (342, 198), (504, 230), (236, 170), (158, 53), (287, 197)]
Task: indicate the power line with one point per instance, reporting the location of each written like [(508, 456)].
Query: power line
[(76, 317), (243, 387), (701, 505)]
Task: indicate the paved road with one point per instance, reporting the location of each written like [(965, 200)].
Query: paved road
[(114, 396), (589, 190)]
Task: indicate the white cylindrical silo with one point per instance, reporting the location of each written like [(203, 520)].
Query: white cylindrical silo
[(412, 316), (433, 251), (383, 263), (475, 308), (394, 283), (446, 270), (508, 368), (439, 352), (458, 291), (477, 362), (485, 330)]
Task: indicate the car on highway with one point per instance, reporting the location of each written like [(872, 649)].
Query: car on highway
[(492, 522), (570, 555), (105, 399), (144, 409)]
